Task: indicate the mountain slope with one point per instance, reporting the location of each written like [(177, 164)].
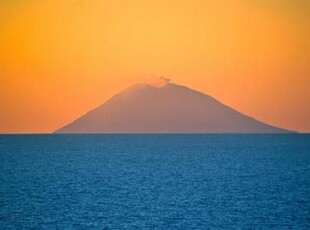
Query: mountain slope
[(167, 109)]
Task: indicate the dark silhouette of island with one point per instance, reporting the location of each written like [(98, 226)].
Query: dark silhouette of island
[(170, 108)]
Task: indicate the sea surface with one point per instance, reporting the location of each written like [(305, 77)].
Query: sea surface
[(155, 181)]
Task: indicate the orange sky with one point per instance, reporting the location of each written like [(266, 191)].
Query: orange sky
[(60, 58)]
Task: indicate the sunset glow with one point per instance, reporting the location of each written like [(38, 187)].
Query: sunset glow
[(59, 59)]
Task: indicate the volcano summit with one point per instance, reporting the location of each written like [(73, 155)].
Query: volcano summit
[(170, 108)]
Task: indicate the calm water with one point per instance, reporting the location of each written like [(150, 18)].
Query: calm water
[(155, 181)]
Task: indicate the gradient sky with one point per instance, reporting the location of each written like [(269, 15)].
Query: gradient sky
[(61, 58)]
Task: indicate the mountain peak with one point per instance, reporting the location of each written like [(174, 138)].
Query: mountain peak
[(165, 108)]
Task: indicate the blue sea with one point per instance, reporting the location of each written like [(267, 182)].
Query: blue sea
[(155, 181)]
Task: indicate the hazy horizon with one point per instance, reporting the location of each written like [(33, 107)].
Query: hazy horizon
[(59, 59)]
